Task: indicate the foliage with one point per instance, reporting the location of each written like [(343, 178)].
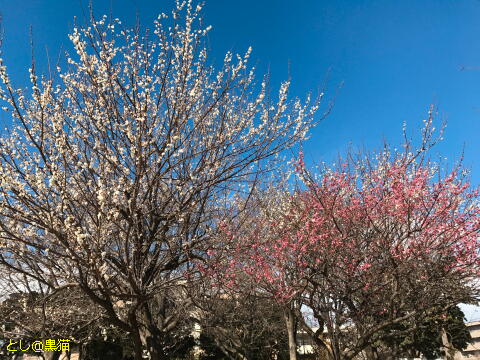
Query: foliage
[(64, 315), (427, 338), (243, 327)]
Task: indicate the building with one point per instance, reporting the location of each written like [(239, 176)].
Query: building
[(472, 352)]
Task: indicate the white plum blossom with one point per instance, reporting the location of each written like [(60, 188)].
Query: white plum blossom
[(118, 166)]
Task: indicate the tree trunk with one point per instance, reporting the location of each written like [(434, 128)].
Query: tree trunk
[(81, 351), (151, 342), (371, 353), (51, 355), (137, 345), (292, 341), (447, 346)]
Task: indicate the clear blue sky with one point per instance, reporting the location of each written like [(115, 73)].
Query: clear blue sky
[(394, 58)]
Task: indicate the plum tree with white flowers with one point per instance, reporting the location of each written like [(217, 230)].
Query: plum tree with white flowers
[(114, 171)]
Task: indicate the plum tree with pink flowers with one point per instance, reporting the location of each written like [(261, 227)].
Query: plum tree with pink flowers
[(376, 241)]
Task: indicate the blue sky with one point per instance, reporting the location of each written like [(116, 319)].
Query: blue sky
[(388, 59), (393, 58)]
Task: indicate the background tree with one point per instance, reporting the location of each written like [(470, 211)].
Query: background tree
[(242, 325), (31, 315), (427, 340), (113, 172)]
